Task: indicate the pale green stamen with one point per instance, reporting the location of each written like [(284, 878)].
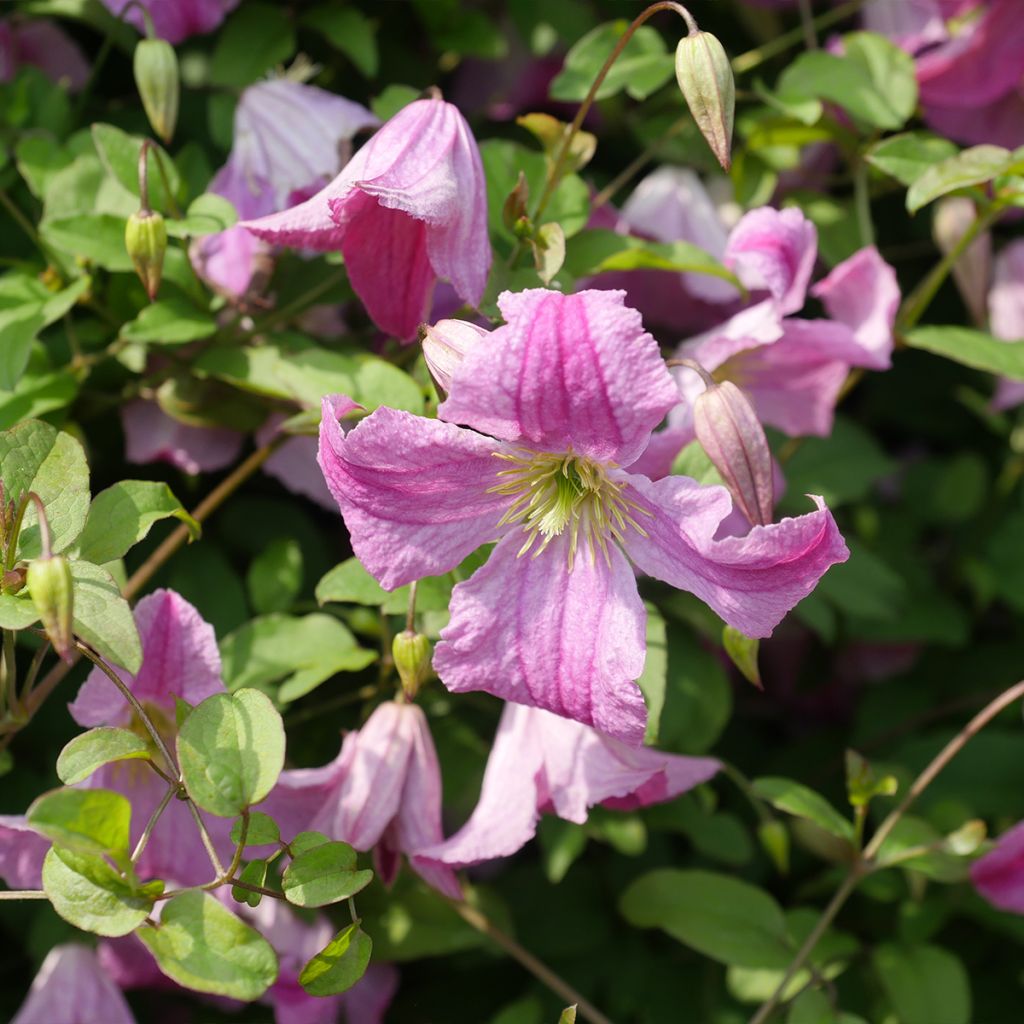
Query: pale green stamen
[(555, 493)]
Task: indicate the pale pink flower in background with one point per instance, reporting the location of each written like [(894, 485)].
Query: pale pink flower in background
[(382, 792), (409, 208), (561, 401), (175, 20), (22, 850), (999, 875), (42, 44), (1006, 315), (73, 988), (151, 435), (541, 763)]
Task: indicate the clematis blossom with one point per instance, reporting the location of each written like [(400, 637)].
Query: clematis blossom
[(175, 20), (382, 792), (42, 44), (559, 403), (290, 139), (73, 988), (999, 875), (410, 207), (543, 764)]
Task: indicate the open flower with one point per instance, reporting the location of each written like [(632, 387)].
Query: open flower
[(560, 400), (73, 988), (410, 207), (174, 20), (541, 763), (999, 875), (382, 792)]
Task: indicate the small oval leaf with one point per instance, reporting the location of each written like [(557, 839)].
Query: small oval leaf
[(95, 748)]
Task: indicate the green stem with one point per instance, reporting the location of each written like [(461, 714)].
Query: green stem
[(26, 225), (807, 24), (862, 202)]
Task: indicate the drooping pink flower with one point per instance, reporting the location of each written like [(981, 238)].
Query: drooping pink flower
[(44, 45), (543, 764), (290, 139), (179, 658), (561, 401), (72, 988), (1006, 315), (175, 20), (999, 875), (410, 207), (382, 792)]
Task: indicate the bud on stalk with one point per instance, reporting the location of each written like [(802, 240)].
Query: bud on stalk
[(52, 590), (411, 652), (145, 238), (705, 78), (445, 345), (156, 77)]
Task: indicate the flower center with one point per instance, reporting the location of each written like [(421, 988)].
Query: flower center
[(557, 493)]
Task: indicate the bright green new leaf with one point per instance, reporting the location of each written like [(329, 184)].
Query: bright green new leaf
[(231, 751), (323, 875), (906, 157), (349, 582), (262, 830), (975, 166), (339, 965), (797, 799), (568, 1015), (971, 348), (88, 821), (742, 651), (102, 617), (200, 944), (95, 748)]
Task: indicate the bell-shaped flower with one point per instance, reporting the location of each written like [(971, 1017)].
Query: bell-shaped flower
[(73, 988), (43, 44), (174, 20), (999, 875), (560, 401), (541, 763), (382, 792), (410, 207), (179, 659), (290, 139)]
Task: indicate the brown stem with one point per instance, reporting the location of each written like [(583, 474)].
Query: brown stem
[(691, 364)]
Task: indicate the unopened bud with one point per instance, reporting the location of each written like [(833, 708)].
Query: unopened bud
[(705, 78), (145, 238), (774, 838), (52, 590), (411, 652), (729, 431), (156, 76), (445, 345), (954, 216), (515, 206)]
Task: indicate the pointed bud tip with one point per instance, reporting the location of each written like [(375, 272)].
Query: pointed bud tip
[(145, 238), (411, 652)]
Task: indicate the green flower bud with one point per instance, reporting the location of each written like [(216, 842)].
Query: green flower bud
[(145, 238), (51, 588), (411, 652), (705, 77), (156, 76)]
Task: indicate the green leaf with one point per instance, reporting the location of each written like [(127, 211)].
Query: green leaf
[(255, 38), (890, 68), (925, 984), (653, 679), (392, 99), (643, 67), (36, 457), (231, 751), (864, 585), (719, 916), (698, 699), (39, 157), (102, 617), (975, 166), (796, 799), (971, 348), (96, 238), (307, 841), (263, 830), (301, 652), (275, 576), (906, 157), (123, 514), (323, 875), (200, 944), (742, 651), (95, 748), (119, 153), (255, 873), (88, 821), (173, 321), (349, 582), (206, 215), (548, 251), (339, 965), (17, 612), (568, 1015), (90, 894), (347, 30), (38, 391)]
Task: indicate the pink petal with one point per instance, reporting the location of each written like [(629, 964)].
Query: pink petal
[(369, 1000), (445, 345), (568, 372), (179, 658), (774, 250), (21, 853), (911, 24), (72, 988), (529, 630), (999, 123), (43, 44), (750, 581), (176, 20), (862, 293), (1006, 299), (999, 875), (413, 492), (130, 964), (228, 261), (153, 436), (294, 464)]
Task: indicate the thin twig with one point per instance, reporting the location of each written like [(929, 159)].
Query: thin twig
[(172, 791), (23, 894)]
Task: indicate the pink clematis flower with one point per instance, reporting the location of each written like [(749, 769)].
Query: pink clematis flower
[(175, 20), (382, 792), (999, 875), (290, 140), (541, 763), (409, 208), (22, 851), (559, 400), (179, 658), (1006, 315), (152, 436), (44, 45)]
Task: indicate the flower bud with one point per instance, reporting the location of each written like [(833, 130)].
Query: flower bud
[(730, 432), (444, 347), (145, 238), (51, 588), (705, 78), (156, 76), (411, 652), (972, 271)]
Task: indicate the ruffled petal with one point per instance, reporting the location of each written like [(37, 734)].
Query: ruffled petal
[(413, 492), (750, 581), (999, 875), (568, 372), (529, 630)]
